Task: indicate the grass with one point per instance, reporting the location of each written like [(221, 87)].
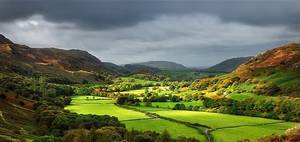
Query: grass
[(134, 80), (250, 132), (217, 120), (149, 109), (102, 107), (81, 105), (172, 104), (240, 96), (134, 92), (214, 120), (160, 90), (160, 125), (282, 79)]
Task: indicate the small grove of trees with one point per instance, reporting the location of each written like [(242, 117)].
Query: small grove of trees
[(127, 100), (183, 107), (33, 87), (120, 134), (54, 120), (283, 108), (154, 97)]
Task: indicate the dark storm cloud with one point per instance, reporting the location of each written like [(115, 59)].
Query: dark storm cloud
[(194, 33), (107, 14)]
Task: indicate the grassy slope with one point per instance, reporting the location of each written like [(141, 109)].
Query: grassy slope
[(282, 79)]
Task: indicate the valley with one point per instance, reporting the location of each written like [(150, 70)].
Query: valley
[(59, 95)]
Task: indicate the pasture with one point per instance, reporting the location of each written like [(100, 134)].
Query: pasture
[(226, 127), (159, 125), (82, 105), (258, 127), (132, 119)]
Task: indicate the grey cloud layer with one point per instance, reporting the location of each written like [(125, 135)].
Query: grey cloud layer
[(192, 32), (194, 40), (107, 14)]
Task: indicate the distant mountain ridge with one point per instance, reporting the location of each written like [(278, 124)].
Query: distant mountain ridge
[(229, 64), (164, 65)]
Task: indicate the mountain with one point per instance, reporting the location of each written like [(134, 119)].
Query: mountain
[(137, 68), (164, 65), (228, 65), (116, 68), (284, 59), (57, 65), (4, 40), (275, 72)]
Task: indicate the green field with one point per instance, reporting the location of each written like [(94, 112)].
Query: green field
[(228, 128), (250, 132), (134, 80), (216, 120), (102, 107), (172, 104), (160, 125), (82, 105), (134, 92)]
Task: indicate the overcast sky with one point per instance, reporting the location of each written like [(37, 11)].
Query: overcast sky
[(194, 33)]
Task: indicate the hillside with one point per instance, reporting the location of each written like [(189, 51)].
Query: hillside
[(274, 72), (116, 69), (55, 64), (229, 64), (164, 65), (285, 59), (137, 68)]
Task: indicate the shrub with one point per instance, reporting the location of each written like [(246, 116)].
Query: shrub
[(179, 107), (47, 139)]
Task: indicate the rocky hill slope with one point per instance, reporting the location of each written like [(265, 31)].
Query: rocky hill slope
[(56, 64), (274, 72)]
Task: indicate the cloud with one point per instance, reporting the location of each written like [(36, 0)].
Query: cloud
[(110, 14), (194, 39)]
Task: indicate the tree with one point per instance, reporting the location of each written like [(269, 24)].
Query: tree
[(179, 107), (164, 137), (121, 100)]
